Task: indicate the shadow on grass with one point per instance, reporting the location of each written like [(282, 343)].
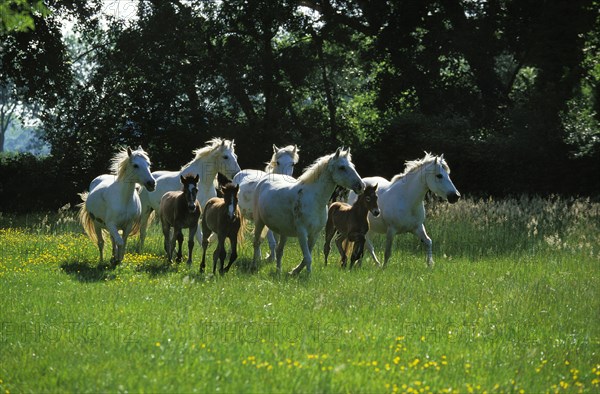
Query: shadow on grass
[(158, 268), (245, 266), (86, 273)]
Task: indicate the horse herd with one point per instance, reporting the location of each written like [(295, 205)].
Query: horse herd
[(122, 203)]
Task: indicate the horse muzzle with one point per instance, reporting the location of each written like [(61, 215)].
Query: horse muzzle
[(150, 185), (359, 187), (453, 197), (375, 212)]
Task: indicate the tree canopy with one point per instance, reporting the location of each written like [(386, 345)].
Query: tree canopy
[(507, 89)]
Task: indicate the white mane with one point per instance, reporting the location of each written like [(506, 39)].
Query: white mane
[(312, 172), (213, 145), (415, 165), (120, 161)]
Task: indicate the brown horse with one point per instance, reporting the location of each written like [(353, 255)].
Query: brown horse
[(351, 224), (222, 216), (180, 210)]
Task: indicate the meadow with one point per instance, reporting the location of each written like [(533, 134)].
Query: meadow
[(511, 305)]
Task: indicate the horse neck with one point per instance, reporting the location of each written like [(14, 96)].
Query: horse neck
[(125, 189), (322, 186), (359, 208), (414, 186), (203, 166)]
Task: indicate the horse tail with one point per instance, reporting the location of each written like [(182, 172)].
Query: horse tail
[(137, 224), (242, 230), (86, 219), (151, 217)]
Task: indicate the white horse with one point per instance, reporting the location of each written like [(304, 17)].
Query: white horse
[(217, 156), (282, 162), (298, 208), (401, 201), (112, 202)]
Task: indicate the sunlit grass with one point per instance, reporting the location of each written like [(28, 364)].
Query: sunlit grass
[(510, 306)]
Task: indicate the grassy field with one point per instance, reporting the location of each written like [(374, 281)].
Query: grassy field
[(512, 305)]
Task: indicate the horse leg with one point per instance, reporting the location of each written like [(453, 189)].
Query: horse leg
[(206, 231), (117, 242), (306, 255), (172, 242), (279, 251), (389, 240), (329, 233), (233, 243), (178, 235), (371, 249), (222, 255), (258, 229), (339, 242), (100, 241), (144, 226), (358, 248), (199, 233), (422, 234), (166, 229), (272, 245), (219, 253), (191, 235), (122, 249)]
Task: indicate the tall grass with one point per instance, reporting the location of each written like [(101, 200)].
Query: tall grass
[(511, 305)]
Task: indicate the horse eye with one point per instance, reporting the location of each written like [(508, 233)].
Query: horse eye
[(136, 166), (342, 168), (278, 163), (225, 157), (368, 199), (439, 176)]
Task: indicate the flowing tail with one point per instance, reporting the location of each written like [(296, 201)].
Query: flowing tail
[(86, 219), (242, 230)]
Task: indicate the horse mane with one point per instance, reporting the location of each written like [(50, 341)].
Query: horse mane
[(121, 159), (211, 146), (288, 150), (414, 165), (312, 172)]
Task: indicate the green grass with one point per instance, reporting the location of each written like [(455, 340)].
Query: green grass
[(512, 304)]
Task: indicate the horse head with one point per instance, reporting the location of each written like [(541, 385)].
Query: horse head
[(371, 200), (283, 160), (138, 168), (439, 182), (190, 190), (343, 172), (225, 159), (230, 195)]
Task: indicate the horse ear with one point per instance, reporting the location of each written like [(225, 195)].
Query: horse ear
[(140, 147), (295, 148), (442, 157), (129, 151), (223, 143), (196, 178), (181, 179), (375, 187), (337, 153), (232, 144), (275, 149), (348, 152)]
